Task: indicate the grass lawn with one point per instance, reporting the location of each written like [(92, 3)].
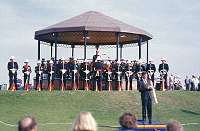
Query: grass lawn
[(106, 107)]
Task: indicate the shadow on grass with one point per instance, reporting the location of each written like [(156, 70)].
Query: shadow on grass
[(190, 112)]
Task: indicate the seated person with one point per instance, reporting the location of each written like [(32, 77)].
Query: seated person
[(84, 122), (174, 125)]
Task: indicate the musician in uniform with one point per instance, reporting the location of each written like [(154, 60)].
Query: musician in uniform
[(139, 69), (145, 87), (97, 74), (107, 73), (26, 71), (51, 69), (95, 56), (117, 74), (73, 70), (85, 74), (39, 73), (163, 70), (63, 72), (151, 69), (12, 69), (128, 75)]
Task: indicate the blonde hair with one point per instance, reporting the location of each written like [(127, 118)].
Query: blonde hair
[(84, 122)]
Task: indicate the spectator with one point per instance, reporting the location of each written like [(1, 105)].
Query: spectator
[(128, 121), (192, 83), (174, 125), (27, 123), (84, 122), (196, 82), (187, 83)]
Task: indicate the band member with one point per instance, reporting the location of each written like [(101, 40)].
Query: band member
[(128, 75), (117, 72), (12, 69), (139, 69), (27, 71), (63, 74), (145, 87), (73, 69), (39, 78), (163, 70), (108, 76), (134, 69), (51, 74), (85, 74), (95, 56), (151, 69), (97, 74)]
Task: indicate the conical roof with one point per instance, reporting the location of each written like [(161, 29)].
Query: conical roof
[(101, 30)]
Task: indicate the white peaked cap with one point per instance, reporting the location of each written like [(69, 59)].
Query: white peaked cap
[(163, 59), (75, 59), (108, 63), (26, 61), (128, 61), (85, 60), (98, 58), (118, 62), (51, 62), (151, 59), (63, 58), (140, 61), (39, 62), (12, 57)]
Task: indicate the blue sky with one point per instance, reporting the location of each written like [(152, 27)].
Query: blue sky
[(173, 23)]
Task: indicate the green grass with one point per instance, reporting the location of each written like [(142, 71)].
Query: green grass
[(106, 107)]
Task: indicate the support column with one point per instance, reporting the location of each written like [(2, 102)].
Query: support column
[(51, 50), (38, 49), (147, 51), (117, 45), (72, 46), (139, 45), (85, 34), (56, 44), (121, 48)]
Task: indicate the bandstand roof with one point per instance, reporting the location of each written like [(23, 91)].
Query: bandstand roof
[(101, 31)]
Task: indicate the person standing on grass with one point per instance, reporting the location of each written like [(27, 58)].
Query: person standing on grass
[(187, 83), (145, 87)]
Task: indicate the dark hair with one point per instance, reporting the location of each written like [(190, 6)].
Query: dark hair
[(128, 120), (30, 126)]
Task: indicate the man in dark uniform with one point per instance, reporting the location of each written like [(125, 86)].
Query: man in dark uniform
[(139, 69), (163, 70), (12, 69), (85, 74), (95, 56), (128, 75), (151, 69), (51, 74), (63, 73), (39, 78), (117, 74), (145, 87), (97, 74), (26, 71)]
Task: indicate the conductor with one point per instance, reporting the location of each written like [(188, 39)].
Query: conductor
[(145, 87)]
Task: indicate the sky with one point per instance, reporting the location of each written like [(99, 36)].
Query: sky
[(174, 25)]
